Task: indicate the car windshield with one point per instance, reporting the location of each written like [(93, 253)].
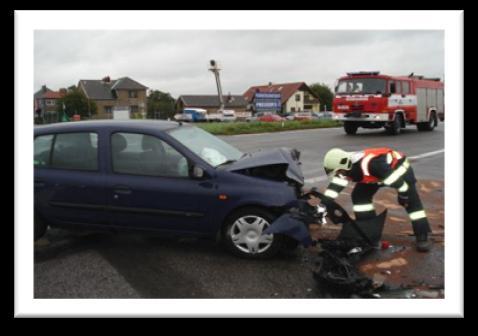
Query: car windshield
[(207, 146), (361, 85)]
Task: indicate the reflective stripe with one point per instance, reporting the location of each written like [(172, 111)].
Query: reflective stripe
[(363, 207), (404, 187), (331, 193), (397, 155), (397, 173), (389, 158), (417, 215), (364, 164), (340, 181)]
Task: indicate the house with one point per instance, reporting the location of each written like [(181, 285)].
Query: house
[(295, 97), (45, 104), (211, 102), (111, 94)]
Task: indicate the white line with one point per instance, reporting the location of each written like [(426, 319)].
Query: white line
[(420, 156), (411, 158)]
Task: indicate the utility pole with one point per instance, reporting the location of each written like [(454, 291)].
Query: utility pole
[(215, 70)]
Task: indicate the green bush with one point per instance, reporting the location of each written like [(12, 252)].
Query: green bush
[(230, 128)]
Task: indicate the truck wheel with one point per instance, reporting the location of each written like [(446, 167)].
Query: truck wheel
[(242, 231), (395, 126), (40, 227), (430, 124), (350, 127)]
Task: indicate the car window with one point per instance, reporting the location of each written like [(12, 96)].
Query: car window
[(42, 151), (141, 154), (75, 151)]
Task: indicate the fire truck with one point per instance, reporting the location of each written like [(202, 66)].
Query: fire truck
[(372, 100)]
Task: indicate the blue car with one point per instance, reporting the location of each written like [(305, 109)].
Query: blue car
[(162, 176)]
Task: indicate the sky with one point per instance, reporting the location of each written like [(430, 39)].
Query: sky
[(177, 61)]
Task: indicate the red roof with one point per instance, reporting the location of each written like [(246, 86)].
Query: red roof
[(52, 95), (285, 89)]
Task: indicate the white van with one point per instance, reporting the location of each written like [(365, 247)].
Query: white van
[(228, 115)]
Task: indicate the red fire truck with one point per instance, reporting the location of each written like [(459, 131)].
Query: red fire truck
[(372, 100)]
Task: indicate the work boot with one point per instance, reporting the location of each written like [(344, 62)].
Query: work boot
[(423, 244)]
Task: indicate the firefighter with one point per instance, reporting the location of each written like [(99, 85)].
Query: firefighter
[(372, 169)]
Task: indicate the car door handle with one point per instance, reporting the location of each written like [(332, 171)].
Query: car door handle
[(124, 190)]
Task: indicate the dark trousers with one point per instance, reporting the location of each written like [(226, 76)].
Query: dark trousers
[(362, 198)]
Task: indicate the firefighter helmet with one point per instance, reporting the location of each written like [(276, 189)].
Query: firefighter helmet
[(337, 159)]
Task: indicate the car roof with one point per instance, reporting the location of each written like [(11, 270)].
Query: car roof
[(142, 125)]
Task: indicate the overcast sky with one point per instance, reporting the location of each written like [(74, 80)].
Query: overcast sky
[(177, 61)]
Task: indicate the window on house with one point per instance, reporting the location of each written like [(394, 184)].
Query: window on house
[(50, 102), (108, 109), (297, 97), (134, 108), (133, 94)]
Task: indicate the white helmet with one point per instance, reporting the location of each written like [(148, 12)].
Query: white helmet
[(337, 159)]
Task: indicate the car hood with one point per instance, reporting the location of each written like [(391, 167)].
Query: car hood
[(265, 162)]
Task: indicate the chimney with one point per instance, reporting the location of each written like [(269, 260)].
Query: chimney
[(43, 88), (270, 83), (106, 79)]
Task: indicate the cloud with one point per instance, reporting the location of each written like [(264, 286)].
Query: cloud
[(177, 61)]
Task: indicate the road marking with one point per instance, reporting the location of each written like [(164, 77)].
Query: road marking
[(421, 156), (411, 158)]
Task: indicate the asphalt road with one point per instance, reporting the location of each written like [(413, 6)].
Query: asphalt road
[(313, 144), (103, 265)]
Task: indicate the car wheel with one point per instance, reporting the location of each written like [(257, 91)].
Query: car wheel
[(40, 227), (242, 234), (395, 127), (430, 124), (350, 127)]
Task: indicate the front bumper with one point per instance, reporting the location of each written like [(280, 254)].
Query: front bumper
[(364, 116)]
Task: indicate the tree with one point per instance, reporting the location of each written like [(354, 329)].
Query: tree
[(160, 104), (325, 94), (75, 102)]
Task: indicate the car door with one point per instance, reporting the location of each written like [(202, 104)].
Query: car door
[(69, 185), (150, 187)]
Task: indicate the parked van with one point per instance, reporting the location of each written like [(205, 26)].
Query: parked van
[(192, 115)]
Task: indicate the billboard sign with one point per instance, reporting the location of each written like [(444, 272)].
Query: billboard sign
[(269, 101)]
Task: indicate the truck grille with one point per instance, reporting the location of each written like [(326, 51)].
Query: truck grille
[(356, 107)]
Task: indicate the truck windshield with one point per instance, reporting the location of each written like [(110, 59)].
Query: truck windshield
[(361, 85), (207, 146)]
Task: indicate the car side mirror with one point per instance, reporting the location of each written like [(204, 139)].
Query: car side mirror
[(197, 172)]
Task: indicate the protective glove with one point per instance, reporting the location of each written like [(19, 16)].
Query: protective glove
[(402, 200)]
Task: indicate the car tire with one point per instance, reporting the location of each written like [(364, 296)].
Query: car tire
[(395, 126), (430, 124), (40, 227), (350, 127), (241, 234)]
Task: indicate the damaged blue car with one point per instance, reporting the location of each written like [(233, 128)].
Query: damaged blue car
[(162, 176)]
